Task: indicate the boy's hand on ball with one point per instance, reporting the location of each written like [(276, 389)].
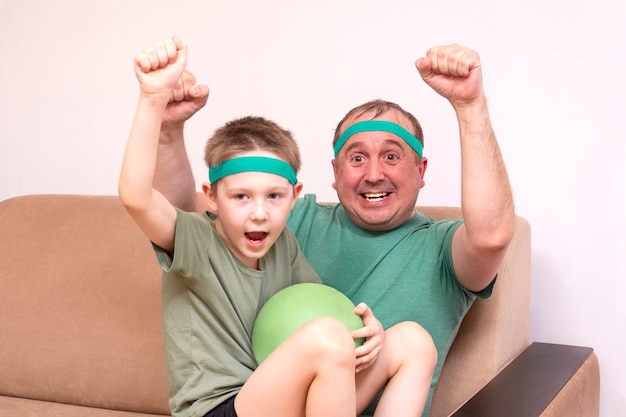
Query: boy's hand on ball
[(373, 333)]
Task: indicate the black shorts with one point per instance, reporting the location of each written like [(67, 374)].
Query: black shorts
[(225, 409)]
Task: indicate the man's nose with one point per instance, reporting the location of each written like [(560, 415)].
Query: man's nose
[(374, 171)]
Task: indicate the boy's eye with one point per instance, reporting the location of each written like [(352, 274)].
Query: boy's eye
[(273, 196), (240, 197)]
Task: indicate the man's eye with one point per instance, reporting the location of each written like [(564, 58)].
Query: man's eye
[(357, 158), (391, 158)]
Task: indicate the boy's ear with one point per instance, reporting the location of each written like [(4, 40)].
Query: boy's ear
[(209, 197), (297, 189)]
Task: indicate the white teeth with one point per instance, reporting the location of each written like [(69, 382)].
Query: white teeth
[(375, 196)]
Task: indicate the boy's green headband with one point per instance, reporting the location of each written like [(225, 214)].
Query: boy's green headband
[(379, 126), (253, 164)]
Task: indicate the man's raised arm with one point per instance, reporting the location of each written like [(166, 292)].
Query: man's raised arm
[(486, 198), (173, 176)]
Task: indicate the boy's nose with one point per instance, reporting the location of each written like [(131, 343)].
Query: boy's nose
[(260, 212)]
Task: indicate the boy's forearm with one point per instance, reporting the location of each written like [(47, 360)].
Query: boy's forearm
[(138, 168)]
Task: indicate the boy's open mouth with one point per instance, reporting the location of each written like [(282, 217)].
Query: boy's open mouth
[(256, 236)]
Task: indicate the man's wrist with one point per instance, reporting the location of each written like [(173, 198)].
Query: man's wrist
[(171, 132), (469, 113)]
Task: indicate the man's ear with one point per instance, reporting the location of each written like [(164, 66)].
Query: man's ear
[(422, 170), (210, 197), (334, 164)]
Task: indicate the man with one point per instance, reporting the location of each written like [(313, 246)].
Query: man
[(374, 246)]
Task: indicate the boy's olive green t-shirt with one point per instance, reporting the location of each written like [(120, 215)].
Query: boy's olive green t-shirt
[(402, 274), (209, 302)]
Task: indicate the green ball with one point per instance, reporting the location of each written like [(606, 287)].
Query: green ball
[(292, 307)]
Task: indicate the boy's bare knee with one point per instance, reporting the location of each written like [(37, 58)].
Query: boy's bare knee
[(413, 339), (329, 340)]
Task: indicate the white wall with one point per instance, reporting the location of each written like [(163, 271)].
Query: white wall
[(554, 74)]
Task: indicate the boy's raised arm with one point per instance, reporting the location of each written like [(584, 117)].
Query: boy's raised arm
[(158, 70)]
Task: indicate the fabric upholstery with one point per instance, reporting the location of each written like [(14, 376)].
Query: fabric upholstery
[(79, 302), (580, 397), (21, 407)]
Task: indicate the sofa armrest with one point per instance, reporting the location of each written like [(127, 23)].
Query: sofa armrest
[(544, 380)]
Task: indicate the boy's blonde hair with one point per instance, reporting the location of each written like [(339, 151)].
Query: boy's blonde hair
[(251, 133)]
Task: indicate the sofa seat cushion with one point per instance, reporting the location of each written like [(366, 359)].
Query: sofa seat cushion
[(20, 407)]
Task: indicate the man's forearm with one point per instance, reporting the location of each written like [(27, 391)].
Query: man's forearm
[(173, 176), (487, 200)]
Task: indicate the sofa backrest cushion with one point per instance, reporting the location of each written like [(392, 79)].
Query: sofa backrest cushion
[(79, 305)]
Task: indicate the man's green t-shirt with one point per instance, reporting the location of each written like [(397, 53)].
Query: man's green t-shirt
[(404, 274)]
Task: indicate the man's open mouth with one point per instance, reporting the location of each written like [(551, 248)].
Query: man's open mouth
[(374, 196)]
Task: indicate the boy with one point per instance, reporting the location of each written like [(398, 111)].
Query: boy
[(220, 268)]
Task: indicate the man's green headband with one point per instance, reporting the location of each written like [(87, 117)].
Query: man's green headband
[(379, 126), (253, 164)]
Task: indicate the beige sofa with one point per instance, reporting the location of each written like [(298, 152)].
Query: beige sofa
[(80, 331)]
